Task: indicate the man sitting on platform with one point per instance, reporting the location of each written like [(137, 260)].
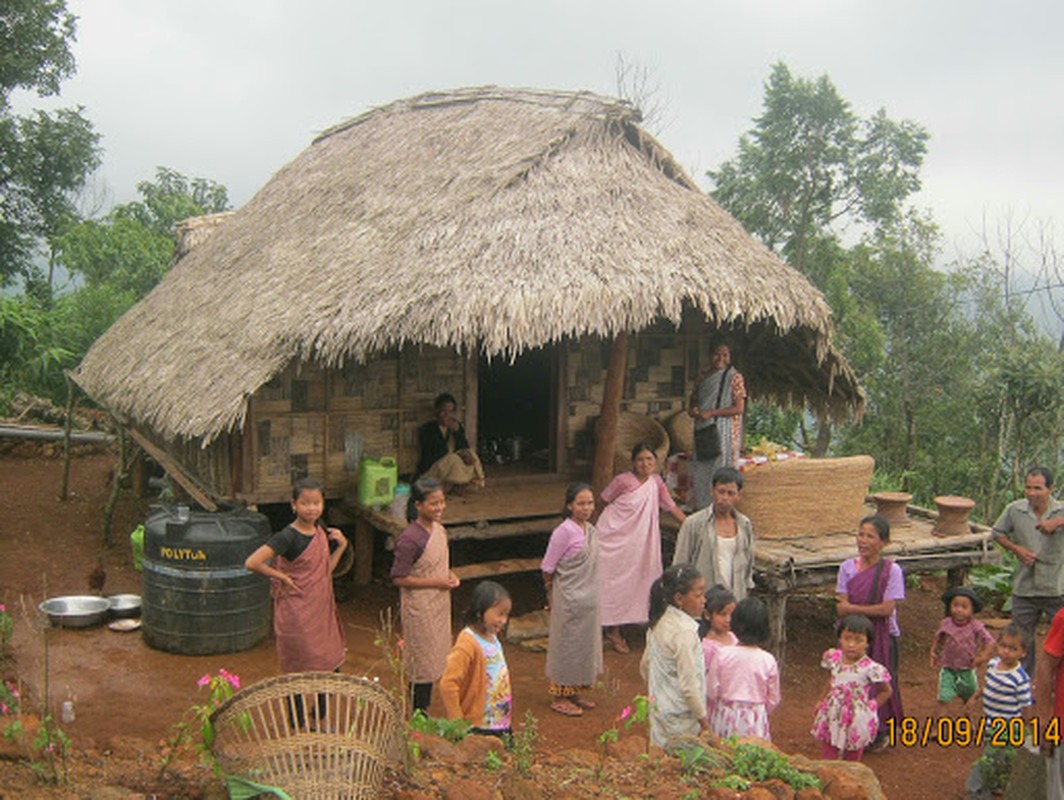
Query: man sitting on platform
[(445, 451)]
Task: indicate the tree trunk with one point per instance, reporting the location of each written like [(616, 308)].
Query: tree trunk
[(606, 431), (823, 438)]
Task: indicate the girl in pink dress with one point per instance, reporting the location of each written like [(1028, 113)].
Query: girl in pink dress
[(743, 683), (847, 718), (716, 624)]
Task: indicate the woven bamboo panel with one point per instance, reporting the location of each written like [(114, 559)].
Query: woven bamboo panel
[(806, 496), (656, 378), (288, 447)]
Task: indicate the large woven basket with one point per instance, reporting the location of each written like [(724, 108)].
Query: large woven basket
[(631, 430), (806, 496), (681, 428), (317, 735)]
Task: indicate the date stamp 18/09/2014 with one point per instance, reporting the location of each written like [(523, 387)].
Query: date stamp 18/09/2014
[(964, 732)]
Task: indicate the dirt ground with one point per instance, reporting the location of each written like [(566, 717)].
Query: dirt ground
[(127, 695)]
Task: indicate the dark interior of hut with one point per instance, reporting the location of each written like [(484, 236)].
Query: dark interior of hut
[(514, 403)]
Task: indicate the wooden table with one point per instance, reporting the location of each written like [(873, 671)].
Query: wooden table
[(507, 507)]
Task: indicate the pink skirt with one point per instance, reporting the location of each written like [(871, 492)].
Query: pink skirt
[(736, 718)]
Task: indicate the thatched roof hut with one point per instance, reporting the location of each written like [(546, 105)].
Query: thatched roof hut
[(486, 220)]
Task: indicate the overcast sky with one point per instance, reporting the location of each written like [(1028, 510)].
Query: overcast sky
[(234, 89)]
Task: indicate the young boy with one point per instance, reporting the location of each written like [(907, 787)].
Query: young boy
[(961, 644), (1006, 696)]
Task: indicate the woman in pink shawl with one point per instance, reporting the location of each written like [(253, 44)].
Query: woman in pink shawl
[(873, 586), (630, 543)]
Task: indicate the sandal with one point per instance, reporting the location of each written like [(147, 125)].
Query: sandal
[(619, 644), (584, 703), (566, 708)]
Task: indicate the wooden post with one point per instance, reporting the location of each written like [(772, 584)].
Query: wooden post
[(470, 390), (363, 551), (64, 490), (606, 432)]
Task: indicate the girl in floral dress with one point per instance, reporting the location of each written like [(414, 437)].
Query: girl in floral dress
[(847, 718)]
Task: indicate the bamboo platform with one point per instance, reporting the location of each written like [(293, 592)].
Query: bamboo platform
[(784, 567), (506, 507)]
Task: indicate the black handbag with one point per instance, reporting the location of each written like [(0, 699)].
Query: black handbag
[(708, 445)]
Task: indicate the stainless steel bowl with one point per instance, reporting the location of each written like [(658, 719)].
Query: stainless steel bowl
[(125, 605), (76, 611)]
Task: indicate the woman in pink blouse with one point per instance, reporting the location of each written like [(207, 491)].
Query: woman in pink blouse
[(630, 543)]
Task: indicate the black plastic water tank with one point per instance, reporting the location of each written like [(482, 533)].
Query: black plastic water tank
[(197, 598)]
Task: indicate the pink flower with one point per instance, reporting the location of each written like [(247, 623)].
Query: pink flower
[(625, 714), (205, 680), (3, 607)]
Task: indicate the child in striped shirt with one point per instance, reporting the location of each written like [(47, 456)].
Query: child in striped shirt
[(1006, 696)]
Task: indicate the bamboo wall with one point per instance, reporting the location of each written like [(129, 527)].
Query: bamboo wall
[(311, 421), (660, 365)]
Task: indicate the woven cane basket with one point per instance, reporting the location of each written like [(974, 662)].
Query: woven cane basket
[(681, 428), (317, 735), (631, 430), (806, 496)]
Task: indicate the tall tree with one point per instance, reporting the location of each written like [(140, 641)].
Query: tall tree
[(45, 158), (810, 170), (810, 165), (130, 249)]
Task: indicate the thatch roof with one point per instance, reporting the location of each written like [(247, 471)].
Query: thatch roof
[(484, 219)]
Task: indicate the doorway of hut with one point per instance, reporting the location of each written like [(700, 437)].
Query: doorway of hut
[(514, 401)]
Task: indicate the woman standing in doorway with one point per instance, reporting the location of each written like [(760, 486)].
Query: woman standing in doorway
[(718, 402)]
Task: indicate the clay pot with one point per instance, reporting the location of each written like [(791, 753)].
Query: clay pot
[(892, 507), (953, 514)]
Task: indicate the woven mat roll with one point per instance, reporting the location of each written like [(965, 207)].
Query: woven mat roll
[(806, 496)]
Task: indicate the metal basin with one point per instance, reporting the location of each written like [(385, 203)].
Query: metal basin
[(76, 611), (125, 605)]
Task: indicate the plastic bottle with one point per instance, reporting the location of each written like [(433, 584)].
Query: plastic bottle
[(66, 712), (399, 501)]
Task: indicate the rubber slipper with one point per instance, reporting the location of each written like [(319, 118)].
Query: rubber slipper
[(619, 645), (567, 708), (582, 703)]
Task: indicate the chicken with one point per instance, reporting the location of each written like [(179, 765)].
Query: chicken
[(97, 577)]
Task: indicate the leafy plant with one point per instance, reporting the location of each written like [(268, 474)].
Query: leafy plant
[(523, 744), (995, 768), (758, 764), (50, 748), (453, 730), (695, 761), (197, 720), (994, 581), (733, 782), (493, 761), (10, 702), (7, 628)]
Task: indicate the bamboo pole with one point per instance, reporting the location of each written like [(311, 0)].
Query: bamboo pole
[(606, 432), (64, 490)]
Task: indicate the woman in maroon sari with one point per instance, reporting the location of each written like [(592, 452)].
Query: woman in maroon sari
[(873, 586)]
